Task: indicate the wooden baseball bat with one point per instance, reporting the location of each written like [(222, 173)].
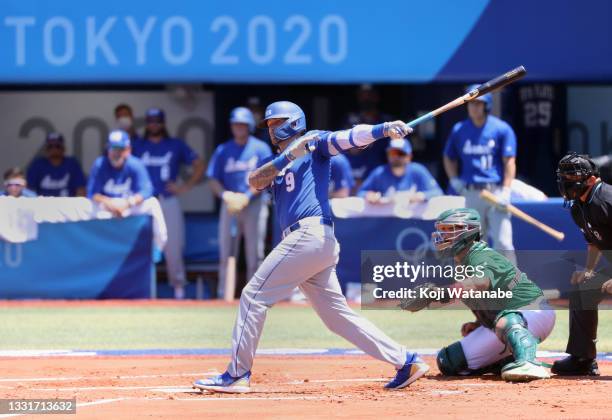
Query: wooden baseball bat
[(491, 198), (230, 270), (493, 84)]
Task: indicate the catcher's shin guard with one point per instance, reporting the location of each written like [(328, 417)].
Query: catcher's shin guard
[(514, 333)]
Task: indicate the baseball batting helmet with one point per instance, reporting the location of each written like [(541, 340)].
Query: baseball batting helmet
[(242, 115), (455, 229), (572, 172), (295, 120), (487, 98)]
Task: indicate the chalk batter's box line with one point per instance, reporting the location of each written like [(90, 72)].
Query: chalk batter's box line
[(603, 356)]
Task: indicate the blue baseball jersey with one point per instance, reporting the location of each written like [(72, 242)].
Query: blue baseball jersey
[(231, 163), (301, 189), (364, 161), (417, 176), (480, 150), (132, 178), (56, 181), (341, 175), (163, 160)]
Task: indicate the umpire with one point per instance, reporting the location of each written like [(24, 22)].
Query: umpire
[(591, 206)]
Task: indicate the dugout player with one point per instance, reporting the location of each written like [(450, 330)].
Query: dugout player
[(124, 120), (507, 330), (341, 177), (55, 174), (228, 172), (480, 154), (163, 157), (118, 181), (591, 206), (15, 184), (308, 253), (400, 174), (363, 162)]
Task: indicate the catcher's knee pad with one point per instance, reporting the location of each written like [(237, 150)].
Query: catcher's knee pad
[(451, 360), (512, 330)]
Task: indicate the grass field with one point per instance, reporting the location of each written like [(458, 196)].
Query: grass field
[(126, 326)]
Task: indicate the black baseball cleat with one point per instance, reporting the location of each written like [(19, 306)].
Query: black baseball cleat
[(575, 366)]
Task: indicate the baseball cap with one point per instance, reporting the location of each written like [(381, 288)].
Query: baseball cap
[(54, 137), (118, 139), (155, 115), (400, 144)]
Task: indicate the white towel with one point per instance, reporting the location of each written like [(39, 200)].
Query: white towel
[(17, 224)]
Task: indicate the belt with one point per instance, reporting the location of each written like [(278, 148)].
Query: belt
[(307, 221), (481, 186)]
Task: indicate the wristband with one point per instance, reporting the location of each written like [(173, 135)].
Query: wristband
[(378, 131), (281, 161)]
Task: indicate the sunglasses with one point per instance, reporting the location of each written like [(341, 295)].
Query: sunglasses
[(15, 183)]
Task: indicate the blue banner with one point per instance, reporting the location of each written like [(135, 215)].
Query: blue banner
[(305, 42), (98, 259)]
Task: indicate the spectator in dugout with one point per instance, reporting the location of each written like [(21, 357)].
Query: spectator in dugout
[(163, 157), (124, 120), (399, 174), (15, 184), (117, 180), (54, 174)]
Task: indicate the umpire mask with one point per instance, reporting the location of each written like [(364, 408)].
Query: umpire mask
[(572, 173)]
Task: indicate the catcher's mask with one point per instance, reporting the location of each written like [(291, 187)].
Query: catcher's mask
[(572, 173), (455, 229)]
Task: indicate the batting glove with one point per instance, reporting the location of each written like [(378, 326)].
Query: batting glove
[(302, 146), (503, 195), (457, 184), (396, 129)]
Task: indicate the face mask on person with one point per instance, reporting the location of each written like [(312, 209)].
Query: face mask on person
[(125, 123)]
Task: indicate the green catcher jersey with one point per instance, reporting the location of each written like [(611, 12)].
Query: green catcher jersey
[(504, 276)]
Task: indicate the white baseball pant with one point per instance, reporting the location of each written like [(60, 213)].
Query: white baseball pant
[(305, 258)]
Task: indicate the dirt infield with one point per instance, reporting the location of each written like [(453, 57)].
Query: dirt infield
[(159, 387)]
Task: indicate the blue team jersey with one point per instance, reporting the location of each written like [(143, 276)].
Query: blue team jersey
[(163, 160), (341, 175), (132, 178), (231, 163), (417, 176), (364, 161), (301, 189), (56, 181), (480, 150)]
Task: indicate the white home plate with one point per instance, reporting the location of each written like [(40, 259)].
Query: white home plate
[(179, 389), (445, 392)]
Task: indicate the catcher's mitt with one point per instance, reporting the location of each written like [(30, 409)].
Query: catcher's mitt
[(417, 303)]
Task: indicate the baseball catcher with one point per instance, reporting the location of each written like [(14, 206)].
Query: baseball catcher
[(506, 332)]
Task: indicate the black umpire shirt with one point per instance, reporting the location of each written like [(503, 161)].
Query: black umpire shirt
[(594, 217)]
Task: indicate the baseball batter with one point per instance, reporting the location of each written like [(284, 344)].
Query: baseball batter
[(307, 255), (507, 330), (480, 153)]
